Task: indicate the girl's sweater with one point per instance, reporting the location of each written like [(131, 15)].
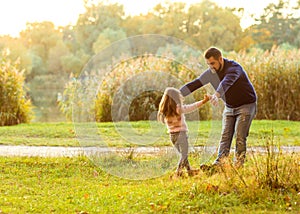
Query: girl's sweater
[(178, 123)]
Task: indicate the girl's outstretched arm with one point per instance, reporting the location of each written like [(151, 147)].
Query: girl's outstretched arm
[(191, 107)]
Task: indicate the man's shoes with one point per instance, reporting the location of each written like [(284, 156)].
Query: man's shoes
[(209, 169), (178, 174), (193, 172), (205, 167)]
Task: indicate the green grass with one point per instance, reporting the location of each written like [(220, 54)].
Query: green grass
[(268, 182), (76, 185), (141, 133)]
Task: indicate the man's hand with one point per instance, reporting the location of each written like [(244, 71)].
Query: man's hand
[(215, 99)]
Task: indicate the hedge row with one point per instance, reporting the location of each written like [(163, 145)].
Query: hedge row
[(133, 88)]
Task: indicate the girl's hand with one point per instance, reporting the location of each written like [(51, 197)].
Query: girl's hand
[(207, 97)]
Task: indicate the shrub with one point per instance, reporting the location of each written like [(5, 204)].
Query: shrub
[(14, 107), (275, 75), (132, 89)]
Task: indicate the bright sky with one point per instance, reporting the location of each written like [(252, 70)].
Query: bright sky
[(15, 13)]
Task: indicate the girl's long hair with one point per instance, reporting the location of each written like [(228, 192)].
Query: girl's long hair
[(168, 104)]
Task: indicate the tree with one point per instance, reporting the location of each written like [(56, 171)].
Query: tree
[(40, 38), (277, 25), (97, 18), (142, 24), (106, 37), (245, 41), (73, 61), (210, 25), (18, 52), (201, 25), (47, 78), (55, 56), (173, 19)]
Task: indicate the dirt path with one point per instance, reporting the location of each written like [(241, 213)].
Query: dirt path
[(52, 151)]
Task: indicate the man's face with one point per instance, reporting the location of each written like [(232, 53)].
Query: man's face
[(215, 65)]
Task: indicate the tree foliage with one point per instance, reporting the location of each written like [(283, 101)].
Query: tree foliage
[(277, 25), (202, 25), (95, 20), (50, 55)]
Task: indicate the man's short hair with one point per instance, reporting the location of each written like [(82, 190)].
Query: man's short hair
[(212, 52)]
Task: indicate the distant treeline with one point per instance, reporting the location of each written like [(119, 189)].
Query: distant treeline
[(50, 56)]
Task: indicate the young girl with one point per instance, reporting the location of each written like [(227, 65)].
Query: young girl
[(171, 112)]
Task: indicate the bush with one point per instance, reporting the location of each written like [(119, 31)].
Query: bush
[(275, 75), (132, 90), (14, 107)]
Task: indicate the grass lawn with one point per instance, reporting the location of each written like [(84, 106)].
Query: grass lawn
[(268, 183), (76, 185), (141, 133)]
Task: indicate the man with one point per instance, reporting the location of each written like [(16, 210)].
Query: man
[(233, 86)]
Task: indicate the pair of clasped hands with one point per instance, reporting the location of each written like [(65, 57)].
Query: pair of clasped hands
[(214, 99)]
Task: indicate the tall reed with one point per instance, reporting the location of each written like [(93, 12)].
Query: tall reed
[(14, 107), (275, 75)]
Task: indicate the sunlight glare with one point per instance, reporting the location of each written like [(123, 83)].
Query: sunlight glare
[(14, 14)]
